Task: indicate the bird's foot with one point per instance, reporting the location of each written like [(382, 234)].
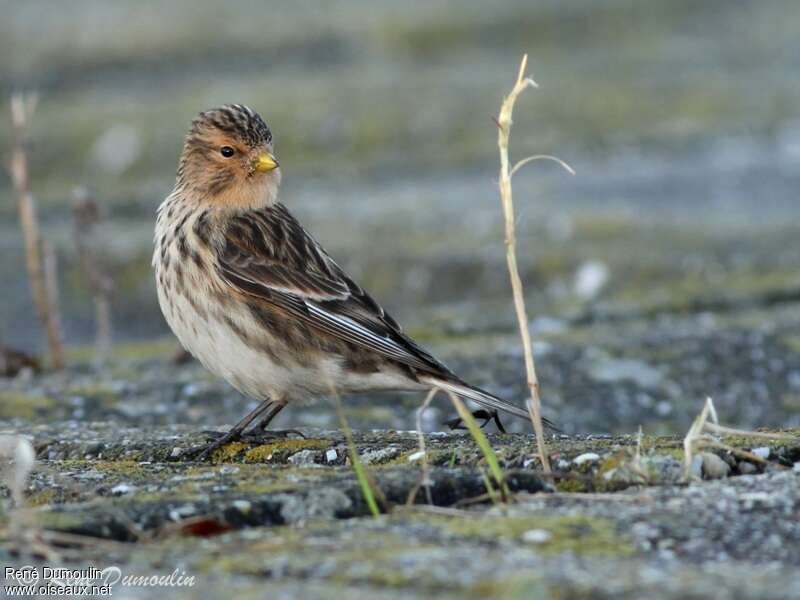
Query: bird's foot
[(220, 438), (268, 435), (487, 415)]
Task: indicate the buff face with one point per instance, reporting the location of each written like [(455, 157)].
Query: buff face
[(228, 159)]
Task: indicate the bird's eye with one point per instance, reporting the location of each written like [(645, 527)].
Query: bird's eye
[(227, 151)]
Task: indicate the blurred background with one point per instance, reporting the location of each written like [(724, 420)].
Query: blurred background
[(667, 270)]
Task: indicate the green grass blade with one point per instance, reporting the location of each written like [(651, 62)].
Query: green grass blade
[(358, 466), (483, 444)]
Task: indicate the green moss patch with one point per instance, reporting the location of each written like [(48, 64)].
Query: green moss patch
[(18, 405)]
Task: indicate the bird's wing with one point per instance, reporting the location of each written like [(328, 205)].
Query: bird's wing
[(268, 255)]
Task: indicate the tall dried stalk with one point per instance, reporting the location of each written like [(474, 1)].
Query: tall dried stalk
[(85, 216), (506, 172), (44, 296), (51, 298)]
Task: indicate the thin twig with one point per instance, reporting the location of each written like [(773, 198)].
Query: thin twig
[(22, 108), (584, 496), (692, 436), (504, 122), (86, 215), (722, 430), (525, 161), (434, 510), (51, 298)]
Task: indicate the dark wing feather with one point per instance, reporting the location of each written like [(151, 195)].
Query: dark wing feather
[(269, 255)]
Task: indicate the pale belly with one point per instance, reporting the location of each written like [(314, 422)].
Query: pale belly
[(267, 369)]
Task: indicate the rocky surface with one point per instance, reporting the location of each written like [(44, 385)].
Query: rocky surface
[(616, 519)]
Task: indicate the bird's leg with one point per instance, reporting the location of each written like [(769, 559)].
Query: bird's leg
[(235, 432), (258, 432), (495, 416)]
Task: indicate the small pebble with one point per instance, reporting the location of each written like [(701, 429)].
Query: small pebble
[(762, 452), (714, 467), (122, 489), (536, 536), (176, 452), (243, 506), (304, 458), (416, 456), (331, 455), (181, 512), (746, 468), (380, 456)]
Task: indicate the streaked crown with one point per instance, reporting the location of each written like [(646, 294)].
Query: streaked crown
[(236, 120)]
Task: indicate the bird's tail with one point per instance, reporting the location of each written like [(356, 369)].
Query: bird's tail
[(483, 398)]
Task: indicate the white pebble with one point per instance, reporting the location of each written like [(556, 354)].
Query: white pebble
[(122, 489), (536, 536), (590, 279), (762, 452), (331, 455), (181, 512)]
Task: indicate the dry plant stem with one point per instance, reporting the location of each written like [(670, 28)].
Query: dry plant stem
[(21, 110), (86, 215), (694, 434), (103, 344), (699, 436), (722, 430), (529, 159), (51, 296), (503, 133), (436, 510), (584, 496)]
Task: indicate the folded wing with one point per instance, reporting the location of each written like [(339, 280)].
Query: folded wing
[(270, 256)]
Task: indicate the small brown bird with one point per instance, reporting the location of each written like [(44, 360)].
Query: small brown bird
[(257, 300)]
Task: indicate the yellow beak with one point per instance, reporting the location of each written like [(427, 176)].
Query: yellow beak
[(266, 162)]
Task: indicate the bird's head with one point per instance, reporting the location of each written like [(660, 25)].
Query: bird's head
[(228, 159)]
